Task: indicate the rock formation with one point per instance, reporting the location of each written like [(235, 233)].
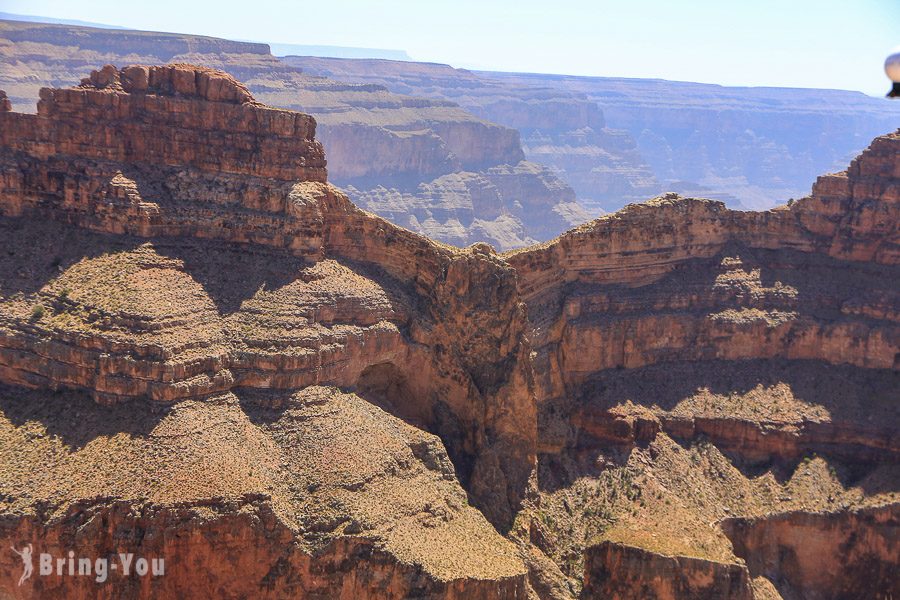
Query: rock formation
[(683, 350), (617, 141), (208, 353), (390, 152), (618, 571), (564, 130), (854, 553), (140, 291), (750, 147)]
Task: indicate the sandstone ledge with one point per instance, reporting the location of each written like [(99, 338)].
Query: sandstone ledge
[(625, 572)]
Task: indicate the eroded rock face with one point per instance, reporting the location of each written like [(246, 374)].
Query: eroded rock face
[(175, 115), (824, 555), (695, 363), (392, 153), (187, 266), (687, 279), (265, 360), (622, 572)]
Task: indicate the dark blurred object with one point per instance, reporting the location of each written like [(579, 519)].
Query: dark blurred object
[(892, 69)]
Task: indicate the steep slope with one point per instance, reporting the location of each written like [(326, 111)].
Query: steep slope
[(391, 152)]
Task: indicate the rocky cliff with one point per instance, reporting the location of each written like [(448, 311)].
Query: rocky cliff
[(617, 141), (695, 363), (208, 353), (170, 256), (562, 129), (389, 151), (854, 554)]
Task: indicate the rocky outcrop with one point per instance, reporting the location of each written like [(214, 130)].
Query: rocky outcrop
[(850, 554), (155, 320), (175, 116), (760, 412), (684, 279), (620, 572), (388, 151)]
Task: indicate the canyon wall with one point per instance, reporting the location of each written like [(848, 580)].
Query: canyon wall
[(617, 571), (208, 352), (141, 262), (617, 141), (687, 279), (855, 554), (564, 130), (696, 365), (754, 147), (394, 154)]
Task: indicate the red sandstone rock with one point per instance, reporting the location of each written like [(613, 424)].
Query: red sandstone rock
[(204, 255), (216, 129), (824, 555), (620, 572), (188, 168)]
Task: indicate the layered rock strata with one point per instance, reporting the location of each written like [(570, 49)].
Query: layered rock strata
[(209, 353), (422, 163), (564, 130), (688, 279), (695, 363), (855, 553), (193, 272), (750, 147), (619, 571)]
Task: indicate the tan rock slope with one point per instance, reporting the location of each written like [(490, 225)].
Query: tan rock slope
[(207, 353)]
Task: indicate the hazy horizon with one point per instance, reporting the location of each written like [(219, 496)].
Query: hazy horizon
[(804, 45)]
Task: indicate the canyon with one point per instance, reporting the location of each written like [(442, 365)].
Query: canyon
[(422, 144), (209, 353), (426, 164), (617, 140)]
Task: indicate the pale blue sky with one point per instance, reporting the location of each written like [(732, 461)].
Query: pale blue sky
[(799, 43)]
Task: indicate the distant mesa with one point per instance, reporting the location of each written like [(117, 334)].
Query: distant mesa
[(338, 51)]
